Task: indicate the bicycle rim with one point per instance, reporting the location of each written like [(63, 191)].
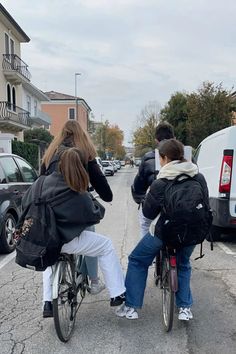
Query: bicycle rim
[(65, 305), (168, 297)]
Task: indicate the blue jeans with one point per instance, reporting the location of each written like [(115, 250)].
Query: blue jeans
[(139, 261)]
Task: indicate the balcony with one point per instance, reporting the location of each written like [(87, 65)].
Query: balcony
[(15, 69), (13, 118), (41, 119)]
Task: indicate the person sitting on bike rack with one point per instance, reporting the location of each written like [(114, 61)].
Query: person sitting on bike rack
[(75, 215), (73, 135), (172, 164)]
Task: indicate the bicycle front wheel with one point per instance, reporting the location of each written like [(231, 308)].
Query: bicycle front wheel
[(168, 296), (65, 305)]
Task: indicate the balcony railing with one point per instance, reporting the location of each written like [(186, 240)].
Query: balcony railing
[(11, 62), (11, 112)]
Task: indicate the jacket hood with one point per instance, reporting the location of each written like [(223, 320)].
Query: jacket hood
[(176, 168)]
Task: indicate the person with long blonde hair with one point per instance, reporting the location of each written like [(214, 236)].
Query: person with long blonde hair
[(75, 215), (73, 135)]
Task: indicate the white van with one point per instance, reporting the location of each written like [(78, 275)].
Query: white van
[(216, 159), (99, 162)]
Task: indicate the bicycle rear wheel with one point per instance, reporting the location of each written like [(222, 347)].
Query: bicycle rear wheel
[(168, 295), (65, 305)]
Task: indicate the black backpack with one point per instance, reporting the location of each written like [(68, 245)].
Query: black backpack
[(188, 217), (38, 243)]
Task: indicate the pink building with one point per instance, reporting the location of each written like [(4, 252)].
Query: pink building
[(63, 107)]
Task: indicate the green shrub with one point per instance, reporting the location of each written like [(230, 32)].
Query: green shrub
[(26, 150)]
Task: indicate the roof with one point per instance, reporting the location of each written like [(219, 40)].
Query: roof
[(9, 21), (58, 96)]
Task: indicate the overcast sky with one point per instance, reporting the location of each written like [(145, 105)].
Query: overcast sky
[(130, 52)]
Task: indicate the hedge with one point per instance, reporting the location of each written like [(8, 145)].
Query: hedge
[(26, 150)]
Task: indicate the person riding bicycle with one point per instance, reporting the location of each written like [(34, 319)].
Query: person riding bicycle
[(147, 173), (73, 135), (172, 165), (75, 215)]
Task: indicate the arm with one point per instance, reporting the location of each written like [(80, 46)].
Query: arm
[(99, 181), (154, 200)]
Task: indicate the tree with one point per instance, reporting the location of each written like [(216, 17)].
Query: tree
[(175, 113), (209, 110), (144, 134), (39, 134)]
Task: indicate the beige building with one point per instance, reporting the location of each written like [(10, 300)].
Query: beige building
[(20, 100)]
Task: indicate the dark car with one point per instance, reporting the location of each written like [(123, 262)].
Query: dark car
[(16, 176)]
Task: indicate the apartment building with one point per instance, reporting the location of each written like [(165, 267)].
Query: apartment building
[(20, 100), (63, 107)]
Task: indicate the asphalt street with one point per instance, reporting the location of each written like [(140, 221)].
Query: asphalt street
[(98, 330)]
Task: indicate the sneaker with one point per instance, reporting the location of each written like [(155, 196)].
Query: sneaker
[(118, 300), (96, 288), (47, 309), (129, 312), (185, 314)]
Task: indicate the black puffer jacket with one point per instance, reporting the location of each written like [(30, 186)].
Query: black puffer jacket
[(145, 177)]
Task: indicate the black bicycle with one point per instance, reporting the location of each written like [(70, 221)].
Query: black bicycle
[(166, 275), (69, 289)]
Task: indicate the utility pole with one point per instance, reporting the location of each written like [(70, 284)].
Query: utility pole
[(76, 97)]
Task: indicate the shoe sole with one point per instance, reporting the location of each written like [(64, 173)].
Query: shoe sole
[(47, 315)]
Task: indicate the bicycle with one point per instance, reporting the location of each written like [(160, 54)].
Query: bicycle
[(166, 275), (68, 284)]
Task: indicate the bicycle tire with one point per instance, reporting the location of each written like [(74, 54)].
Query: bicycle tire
[(168, 295), (65, 305)]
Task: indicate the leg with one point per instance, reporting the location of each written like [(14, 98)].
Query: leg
[(184, 295), (47, 284), (95, 245), (139, 261)]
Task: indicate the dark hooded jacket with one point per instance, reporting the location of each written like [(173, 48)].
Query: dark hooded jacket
[(76, 212)]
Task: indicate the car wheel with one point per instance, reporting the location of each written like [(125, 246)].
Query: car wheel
[(7, 243)]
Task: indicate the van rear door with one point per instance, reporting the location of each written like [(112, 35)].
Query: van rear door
[(232, 200)]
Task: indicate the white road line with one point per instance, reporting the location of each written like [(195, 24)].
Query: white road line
[(226, 249), (7, 259)]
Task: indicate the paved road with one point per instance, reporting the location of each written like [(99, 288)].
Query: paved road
[(213, 330)]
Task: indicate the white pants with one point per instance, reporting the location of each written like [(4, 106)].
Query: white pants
[(144, 223), (93, 245)]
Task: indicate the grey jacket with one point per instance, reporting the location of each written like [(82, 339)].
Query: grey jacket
[(76, 212)]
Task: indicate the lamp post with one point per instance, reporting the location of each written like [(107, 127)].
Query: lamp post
[(76, 97)]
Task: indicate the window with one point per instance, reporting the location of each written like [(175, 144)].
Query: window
[(8, 96), (2, 176), (195, 155), (11, 170), (29, 175), (7, 47), (71, 113), (13, 98)]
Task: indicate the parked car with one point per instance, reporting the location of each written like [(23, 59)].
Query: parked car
[(122, 163), (216, 159), (16, 175), (118, 164), (115, 166), (99, 162), (108, 167)]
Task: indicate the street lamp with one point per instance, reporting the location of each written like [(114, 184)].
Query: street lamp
[(76, 97)]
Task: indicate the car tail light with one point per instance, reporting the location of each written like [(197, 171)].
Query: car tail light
[(226, 172)]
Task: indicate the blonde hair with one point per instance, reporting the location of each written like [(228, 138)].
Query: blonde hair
[(73, 133), (72, 167)]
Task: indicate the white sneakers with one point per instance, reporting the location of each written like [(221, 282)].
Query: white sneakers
[(185, 314), (96, 288), (129, 312)]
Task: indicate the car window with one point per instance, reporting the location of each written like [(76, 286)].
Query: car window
[(105, 164), (2, 176), (27, 171), (11, 169)]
